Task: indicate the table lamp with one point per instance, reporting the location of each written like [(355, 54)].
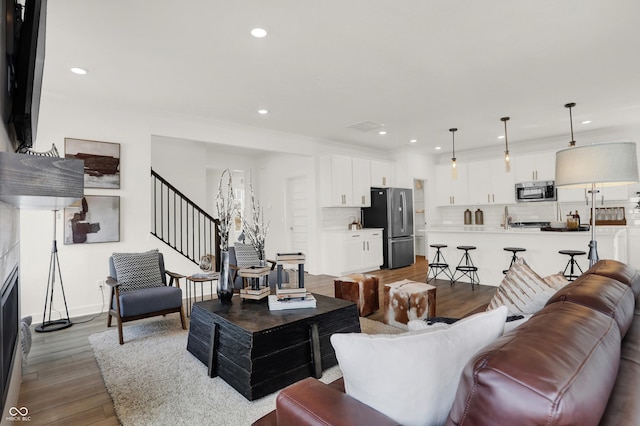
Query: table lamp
[(606, 164)]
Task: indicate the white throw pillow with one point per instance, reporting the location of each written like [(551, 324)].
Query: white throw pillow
[(523, 291), (413, 377)]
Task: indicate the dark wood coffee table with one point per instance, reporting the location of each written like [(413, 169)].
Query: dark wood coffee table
[(258, 351)]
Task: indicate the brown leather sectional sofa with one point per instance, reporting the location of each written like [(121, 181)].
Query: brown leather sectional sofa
[(575, 362)]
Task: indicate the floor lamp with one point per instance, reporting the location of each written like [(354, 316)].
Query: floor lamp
[(605, 164), (54, 267)]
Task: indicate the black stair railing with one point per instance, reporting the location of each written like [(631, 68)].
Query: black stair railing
[(182, 224)]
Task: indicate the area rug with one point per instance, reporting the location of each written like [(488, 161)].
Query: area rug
[(153, 380)]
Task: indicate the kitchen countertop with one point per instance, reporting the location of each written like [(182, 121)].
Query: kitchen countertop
[(496, 229)]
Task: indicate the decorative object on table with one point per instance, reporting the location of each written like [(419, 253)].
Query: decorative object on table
[(467, 217), (610, 216), (276, 304), (206, 262), (283, 259), (43, 182), (254, 290), (101, 161), (479, 217), (96, 219), (256, 229), (608, 164), (226, 208)]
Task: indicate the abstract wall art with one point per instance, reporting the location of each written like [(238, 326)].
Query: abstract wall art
[(96, 219), (101, 161)]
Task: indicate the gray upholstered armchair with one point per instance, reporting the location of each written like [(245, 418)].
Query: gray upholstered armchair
[(139, 288)]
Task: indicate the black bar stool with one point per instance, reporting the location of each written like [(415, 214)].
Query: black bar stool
[(466, 267), (439, 265), (514, 257), (571, 263)]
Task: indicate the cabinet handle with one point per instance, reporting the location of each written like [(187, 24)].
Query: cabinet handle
[(363, 200), (384, 180), (602, 200), (488, 198), (453, 197), (493, 198), (344, 199), (363, 246), (367, 245), (355, 236)]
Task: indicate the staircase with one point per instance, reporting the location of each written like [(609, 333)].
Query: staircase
[(181, 224)]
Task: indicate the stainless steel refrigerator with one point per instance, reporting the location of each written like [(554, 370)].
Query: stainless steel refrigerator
[(392, 210)]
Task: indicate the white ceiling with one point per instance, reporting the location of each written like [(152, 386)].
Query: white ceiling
[(417, 66)]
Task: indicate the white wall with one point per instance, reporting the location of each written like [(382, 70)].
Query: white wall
[(84, 265)]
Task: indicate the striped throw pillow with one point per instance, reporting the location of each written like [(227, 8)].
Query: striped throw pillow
[(246, 255), (138, 270), (523, 291)]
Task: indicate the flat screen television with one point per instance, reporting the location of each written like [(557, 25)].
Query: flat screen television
[(25, 60)]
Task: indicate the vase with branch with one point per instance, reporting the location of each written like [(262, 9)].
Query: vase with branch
[(226, 208), (255, 229)]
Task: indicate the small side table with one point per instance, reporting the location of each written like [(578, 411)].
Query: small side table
[(193, 280), (408, 300)]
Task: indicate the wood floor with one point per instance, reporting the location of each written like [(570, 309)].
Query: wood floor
[(62, 384)]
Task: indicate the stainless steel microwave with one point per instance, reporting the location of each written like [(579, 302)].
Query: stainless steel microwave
[(539, 190)]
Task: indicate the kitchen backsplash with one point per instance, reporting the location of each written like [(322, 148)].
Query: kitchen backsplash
[(339, 217)]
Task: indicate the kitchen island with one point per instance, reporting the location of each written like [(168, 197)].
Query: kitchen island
[(542, 247)]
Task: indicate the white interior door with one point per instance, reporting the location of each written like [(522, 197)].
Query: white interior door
[(419, 217), (297, 214)]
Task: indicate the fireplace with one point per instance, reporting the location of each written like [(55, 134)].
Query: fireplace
[(8, 329)]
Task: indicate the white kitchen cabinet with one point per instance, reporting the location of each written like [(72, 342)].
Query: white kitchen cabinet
[(381, 174), (345, 181), (573, 195), (541, 166), (348, 252), (489, 183), (361, 177), (605, 193), (451, 191)]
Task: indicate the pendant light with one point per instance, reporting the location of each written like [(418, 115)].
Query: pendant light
[(506, 145), (454, 169), (570, 105)]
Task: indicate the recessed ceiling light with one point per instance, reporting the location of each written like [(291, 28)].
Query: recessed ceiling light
[(438, 148), (413, 140), (259, 32), (79, 71), (501, 137), (382, 132), (263, 111), (586, 122)]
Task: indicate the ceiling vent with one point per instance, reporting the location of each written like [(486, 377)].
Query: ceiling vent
[(366, 126)]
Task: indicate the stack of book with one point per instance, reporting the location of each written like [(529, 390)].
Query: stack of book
[(291, 293), (259, 294), (276, 304), (206, 275)]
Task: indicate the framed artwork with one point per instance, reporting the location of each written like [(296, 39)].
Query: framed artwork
[(101, 161), (96, 219)]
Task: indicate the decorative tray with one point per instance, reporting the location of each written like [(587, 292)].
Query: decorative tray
[(581, 228)]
